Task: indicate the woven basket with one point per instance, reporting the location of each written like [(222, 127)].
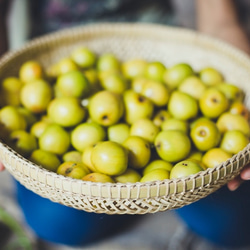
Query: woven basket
[(152, 42)]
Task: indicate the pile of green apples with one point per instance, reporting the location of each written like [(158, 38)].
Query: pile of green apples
[(94, 117)]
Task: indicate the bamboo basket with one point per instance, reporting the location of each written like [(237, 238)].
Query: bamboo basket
[(152, 42)]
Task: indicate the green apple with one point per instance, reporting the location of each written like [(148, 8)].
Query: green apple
[(63, 66), (114, 82), (155, 175), (182, 106), (108, 62), (109, 158), (157, 164), (198, 120), (118, 132), (36, 95), (12, 119), (144, 128), (185, 168), (66, 111), (134, 68), (106, 108), (72, 156), (195, 155), (73, 170), (87, 134), (30, 70), (129, 176), (30, 117), (73, 84), (86, 158), (161, 116), (38, 128), (137, 84), (198, 161), (176, 74), (136, 107), (193, 86), (54, 139), (83, 57), (211, 76), (45, 159), (213, 103), (92, 76), (172, 145), (205, 134), (157, 92), (214, 157), (23, 142), (155, 71), (139, 151), (239, 108), (10, 91), (232, 92), (234, 141), (228, 121), (175, 124), (98, 177)]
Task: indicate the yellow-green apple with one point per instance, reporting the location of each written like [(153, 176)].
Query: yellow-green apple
[(182, 106), (109, 158), (214, 157), (139, 151), (213, 103), (157, 164), (66, 111), (144, 128), (45, 159), (185, 168), (211, 76), (98, 177), (136, 106), (73, 84), (155, 175), (106, 108), (129, 176), (177, 73), (36, 95), (233, 141), (228, 121), (205, 134), (172, 145), (87, 134), (54, 139), (74, 170)]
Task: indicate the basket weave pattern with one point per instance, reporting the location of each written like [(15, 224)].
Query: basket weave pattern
[(151, 42)]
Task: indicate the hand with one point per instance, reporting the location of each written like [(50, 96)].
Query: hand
[(244, 175), (1, 166)]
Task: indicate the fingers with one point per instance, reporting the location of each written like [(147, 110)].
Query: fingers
[(1, 167), (235, 183), (244, 175)]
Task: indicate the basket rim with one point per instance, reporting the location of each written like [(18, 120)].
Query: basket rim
[(173, 186), (122, 28)]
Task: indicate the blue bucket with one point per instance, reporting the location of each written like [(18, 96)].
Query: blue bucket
[(222, 218), (60, 224)]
